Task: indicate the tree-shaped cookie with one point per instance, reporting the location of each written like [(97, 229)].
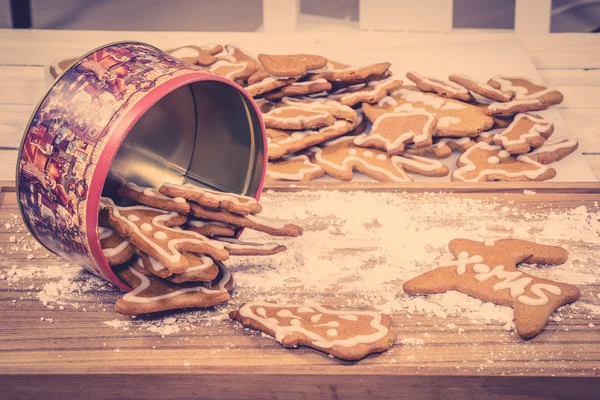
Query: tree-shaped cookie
[(484, 162), (349, 335), (525, 132), (488, 271)]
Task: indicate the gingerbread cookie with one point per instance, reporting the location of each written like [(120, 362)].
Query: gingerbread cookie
[(237, 247), (525, 89), (553, 150), (153, 294), (235, 54), (299, 89), (346, 75), (440, 87), (525, 132), (281, 143), (266, 85), (291, 65), (197, 55), (411, 94), (202, 268), (370, 92), (484, 162), (234, 71), (148, 229), (115, 249), (264, 105), (349, 335), (210, 228), (422, 165), (457, 119), (392, 131), (213, 199), (515, 107), (482, 89), (271, 226), (441, 148), (488, 271), (339, 111), (297, 168), (340, 157), (151, 197), (297, 118), (59, 66)]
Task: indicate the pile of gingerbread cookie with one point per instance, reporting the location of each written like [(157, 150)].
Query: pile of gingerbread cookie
[(313, 110), (170, 244)]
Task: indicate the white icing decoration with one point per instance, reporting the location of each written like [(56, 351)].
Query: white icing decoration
[(461, 262), (542, 299), (493, 160), (422, 163), (331, 324), (387, 100), (521, 92), (367, 154), (555, 144), (298, 176), (489, 242), (352, 152), (315, 318), (104, 233), (381, 157), (332, 332), (238, 67), (262, 312), (445, 122), (484, 86), (295, 322), (481, 268), (273, 115), (349, 317), (146, 227), (413, 96), (453, 105), (540, 126), (510, 104), (111, 252), (231, 243), (213, 194), (446, 85), (133, 218), (185, 52), (286, 314), (305, 310), (160, 235), (503, 154)]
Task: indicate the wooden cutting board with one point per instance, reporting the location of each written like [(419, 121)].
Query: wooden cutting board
[(74, 350)]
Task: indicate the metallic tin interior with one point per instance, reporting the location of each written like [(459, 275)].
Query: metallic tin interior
[(205, 133)]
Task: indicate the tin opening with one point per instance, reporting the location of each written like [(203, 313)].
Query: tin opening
[(205, 133)]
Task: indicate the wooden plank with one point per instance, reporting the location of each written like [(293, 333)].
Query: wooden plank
[(584, 124), (21, 84), (406, 15), (8, 162), (576, 50), (532, 16), (570, 77), (579, 96), (280, 15), (13, 119)]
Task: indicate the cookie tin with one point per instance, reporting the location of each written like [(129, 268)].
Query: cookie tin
[(129, 112)]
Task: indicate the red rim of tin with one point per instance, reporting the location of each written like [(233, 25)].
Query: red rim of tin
[(113, 144)]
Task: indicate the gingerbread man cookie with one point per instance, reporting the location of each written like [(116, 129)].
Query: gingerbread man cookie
[(525, 89), (297, 168), (349, 335), (212, 198), (526, 132), (441, 87), (488, 271), (484, 162)]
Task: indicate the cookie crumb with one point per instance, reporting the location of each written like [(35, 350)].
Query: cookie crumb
[(186, 363), (30, 256), (591, 325), (12, 239), (529, 192)]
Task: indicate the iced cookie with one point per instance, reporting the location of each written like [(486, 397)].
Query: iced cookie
[(234, 71), (266, 85), (297, 118), (458, 119), (484, 162), (151, 197), (281, 143), (526, 132), (299, 89), (212, 198), (422, 165), (259, 223), (440, 87), (237, 247), (291, 65), (347, 75), (152, 294), (370, 92), (339, 111), (59, 66), (115, 249), (525, 89), (392, 131), (197, 55), (340, 157), (297, 168), (441, 148), (515, 107), (482, 89), (148, 229), (553, 150), (349, 335), (202, 268), (488, 271), (210, 228)]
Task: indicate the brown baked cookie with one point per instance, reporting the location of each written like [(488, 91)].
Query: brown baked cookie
[(197, 55), (59, 66), (525, 89), (349, 335), (482, 89), (212, 198), (340, 157), (151, 197), (346, 75), (422, 165), (266, 85), (411, 94), (264, 105), (441, 87), (515, 107), (234, 71), (299, 89), (484, 162), (210, 228), (553, 150), (235, 54), (282, 143), (148, 229), (458, 119), (152, 294), (237, 247), (339, 111), (488, 136), (526, 132), (202, 268), (441, 148), (259, 223), (370, 92), (297, 169), (488, 271), (297, 118), (291, 65), (116, 250), (392, 131)]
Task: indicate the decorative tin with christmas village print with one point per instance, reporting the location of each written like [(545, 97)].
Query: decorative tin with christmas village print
[(80, 124)]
